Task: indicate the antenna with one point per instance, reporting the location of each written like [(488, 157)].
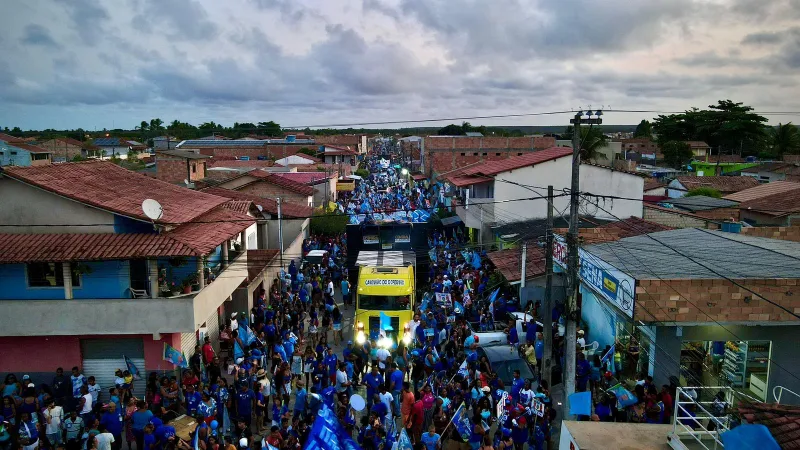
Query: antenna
[(152, 209)]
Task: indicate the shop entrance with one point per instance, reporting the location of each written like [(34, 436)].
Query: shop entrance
[(742, 365)]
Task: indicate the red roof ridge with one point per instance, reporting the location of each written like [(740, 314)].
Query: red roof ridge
[(491, 168), (288, 209)]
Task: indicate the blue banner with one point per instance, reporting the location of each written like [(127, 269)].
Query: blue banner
[(173, 355), (625, 397), (580, 404), (328, 434), (132, 368), (246, 335), (462, 423), (609, 354), (404, 443), (386, 322)]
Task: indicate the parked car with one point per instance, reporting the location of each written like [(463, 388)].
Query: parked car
[(504, 360)]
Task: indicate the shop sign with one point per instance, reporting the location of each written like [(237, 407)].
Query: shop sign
[(603, 278), (384, 282), (402, 239), (371, 239)]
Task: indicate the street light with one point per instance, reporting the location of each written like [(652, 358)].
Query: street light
[(404, 171)]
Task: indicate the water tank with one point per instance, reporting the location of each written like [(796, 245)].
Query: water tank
[(291, 138), (244, 158), (731, 227)]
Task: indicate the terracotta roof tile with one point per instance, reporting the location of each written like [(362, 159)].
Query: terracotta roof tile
[(777, 205), (308, 157), (697, 144), (308, 178), (26, 248), (492, 168), (724, 184), (288, 209), (508, 262), (614, 231), (108, 186), (467, 180), (762, 190), (653, 183), (30, 148), (70, 141), (238, 163), (208, 231), (783, 421), (240, 206), (10, 139), (285, 183)]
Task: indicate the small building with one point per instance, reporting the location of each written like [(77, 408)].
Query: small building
[(297, 159), (249, 148), (707, 207), (681, 185), (769, 172), (23, 155), (655, 188), (270, 185), (64, 149), (640, 149), (443, 154), (700, 150), (119, 147), (323, 182), (165, 143), (179, 166), (335, 154)]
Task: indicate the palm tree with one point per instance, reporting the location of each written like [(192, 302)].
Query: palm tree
[(592, 140), (785, 139), (155, 124)]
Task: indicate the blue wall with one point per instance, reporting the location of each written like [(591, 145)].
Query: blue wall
[(126, 225), (22, 157), (109, 279), (600, 320), (181, 272)]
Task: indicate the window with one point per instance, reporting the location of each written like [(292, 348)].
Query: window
[(463, 154), (49, 275), (497, 154), (475, 154), (194, 168), (519, 154), (13, 152), (39, 156), (384, 302), (484, 154)]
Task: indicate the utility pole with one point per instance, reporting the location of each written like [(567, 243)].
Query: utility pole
[(571, 313), (524, 269), (547, 308), (280, 231)]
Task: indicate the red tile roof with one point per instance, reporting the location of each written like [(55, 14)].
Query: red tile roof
[(338, 147), (208, 231), (308, 157), (777, 205), (70, 141), (27, 248), (240, 206), (309, 178), (10, 139), (653, 183), (491, 168), (762, 190), (285, 183), (258, 260), (509, 263), (724, 184), (238, 163), (30, 148), (467, 180), (288, 209), (108, 186), (340, 152), (783, 421), (614, 231)]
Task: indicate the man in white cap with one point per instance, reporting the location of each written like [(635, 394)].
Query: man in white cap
[(581, 340)]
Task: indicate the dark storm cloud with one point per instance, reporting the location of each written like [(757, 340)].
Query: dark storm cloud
[(88, 19), (713, 60), (564, 28), (35, 34), (179, 19), (762, 38)]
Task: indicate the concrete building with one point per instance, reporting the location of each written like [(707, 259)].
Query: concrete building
[(334, 154), (23, 155), (119, 147), (178, 166), (250, 148), (444, 154), (270, 185), (323, 182), (770, 172), (63, 149), (103, 279), (683, 290), (512, 189), (681, 185)]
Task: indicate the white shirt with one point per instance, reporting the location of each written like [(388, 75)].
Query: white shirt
[(55, 416), (104, 441), (94, 389), (87, 407), (330, 288), (582, 342), (387, 399), (341, 380), (382, 354), (412, 327), (234, 324)]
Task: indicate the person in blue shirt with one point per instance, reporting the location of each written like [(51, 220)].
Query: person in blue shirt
[(148, 439), (244, 403), (331, 361), (300, 400), (431, 439), (373, 380), (112, 419), (346, 293), (582, 372), (530, 331), (516, 386), (164, 434), (396, 382), (193, 400)]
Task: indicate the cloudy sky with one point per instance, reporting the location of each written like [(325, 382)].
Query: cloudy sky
[(112, 63)]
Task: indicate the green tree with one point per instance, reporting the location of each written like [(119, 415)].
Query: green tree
[(307, 151), (329, 224), (592, 140), (269, 129), (156, 125), (676, 153), (363, 173), (452, 130), (644, 130), (784, 139), (704, 191)]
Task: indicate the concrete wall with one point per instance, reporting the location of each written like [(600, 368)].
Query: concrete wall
[(755, 218), (677, 219), (13, 156), (785, 358), (291, 230), (174, 169), (212, 296), (599, 180), (556, 173), (24, 204), (108, 279), (61, 149)]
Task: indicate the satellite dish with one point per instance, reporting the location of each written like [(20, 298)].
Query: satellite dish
[(152, 209)]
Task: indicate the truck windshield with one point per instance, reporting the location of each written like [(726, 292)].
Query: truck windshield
[(384, 302)]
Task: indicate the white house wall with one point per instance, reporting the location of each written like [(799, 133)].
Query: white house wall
[(555, 173), (599, 180)]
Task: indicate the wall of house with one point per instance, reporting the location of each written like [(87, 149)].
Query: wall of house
[(675, 189), (784, 358), (708, 300), (268, 190), (782, 233), (14, 285), (446, 153), (676, 220), (764, 176), (174, 170), (555, 173), (25, 205), (599, 180), (13, 156), (759, 219), (108, 279), (60, 149), (124, 224), (292, 229), (719, 214), (39, 356)]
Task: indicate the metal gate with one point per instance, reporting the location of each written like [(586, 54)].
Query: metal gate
[(102, 357), (188, 341), (212, 330)]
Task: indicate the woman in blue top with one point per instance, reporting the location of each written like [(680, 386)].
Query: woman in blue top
[(11, 386)]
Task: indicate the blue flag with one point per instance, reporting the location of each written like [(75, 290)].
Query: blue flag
[(463, 370), (404, 443), (624, 397), (609, 354), (749, 436), (246, 335), (386, 322), (327, 433), (174, 356), (462, 423), (132, 368), (476, 260), (458, 308), (580, 404)]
